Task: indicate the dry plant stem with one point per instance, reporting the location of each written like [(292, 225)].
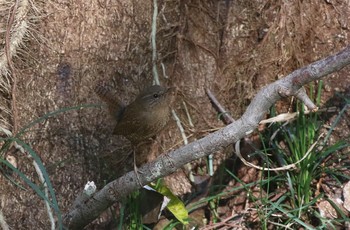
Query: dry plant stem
[(286, 167), (181, 128), (224, 223), (281, 225), (10, 21), (14, 34), (154, 44), (190, 123), (291, 116), (185, 140), (9, 62), (167, 163)]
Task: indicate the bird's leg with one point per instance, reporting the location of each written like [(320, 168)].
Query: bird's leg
[(136, 170)]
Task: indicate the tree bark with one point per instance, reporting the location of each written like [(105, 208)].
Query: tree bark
[(291, 85)]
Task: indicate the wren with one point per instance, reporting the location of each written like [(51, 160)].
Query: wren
[(143, 118)]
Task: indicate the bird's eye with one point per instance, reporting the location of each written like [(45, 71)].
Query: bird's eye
[(155, 95)]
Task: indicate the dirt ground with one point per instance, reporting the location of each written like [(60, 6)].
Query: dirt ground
[(233, 48)]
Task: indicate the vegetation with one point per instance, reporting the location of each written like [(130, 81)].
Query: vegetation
[(286, 199)]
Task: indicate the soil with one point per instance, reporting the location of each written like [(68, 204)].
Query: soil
[(233, 48)]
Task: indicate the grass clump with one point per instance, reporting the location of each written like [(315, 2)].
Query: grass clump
[(300, 190)]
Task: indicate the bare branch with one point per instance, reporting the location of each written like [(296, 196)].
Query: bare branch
[(167, 163)]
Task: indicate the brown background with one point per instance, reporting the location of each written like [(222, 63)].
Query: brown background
[(232, 47)]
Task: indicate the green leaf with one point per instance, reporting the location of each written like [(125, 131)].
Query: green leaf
[(175, 206)]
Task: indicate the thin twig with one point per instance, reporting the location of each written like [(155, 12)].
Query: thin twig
[(188, 115), (163, 69), (179, 125), (223, 114)]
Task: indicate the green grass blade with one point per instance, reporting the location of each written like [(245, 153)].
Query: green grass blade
[(292, 217), (35, 187), (54, 113), (42, 168)]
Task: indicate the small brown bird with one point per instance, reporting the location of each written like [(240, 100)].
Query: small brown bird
[(143, 118), (146, 116), (139, 121)]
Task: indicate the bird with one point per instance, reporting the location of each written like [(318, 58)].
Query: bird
[(146, 116), (142, 119)]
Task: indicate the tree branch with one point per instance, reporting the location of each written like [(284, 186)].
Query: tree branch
[(167, 163)]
